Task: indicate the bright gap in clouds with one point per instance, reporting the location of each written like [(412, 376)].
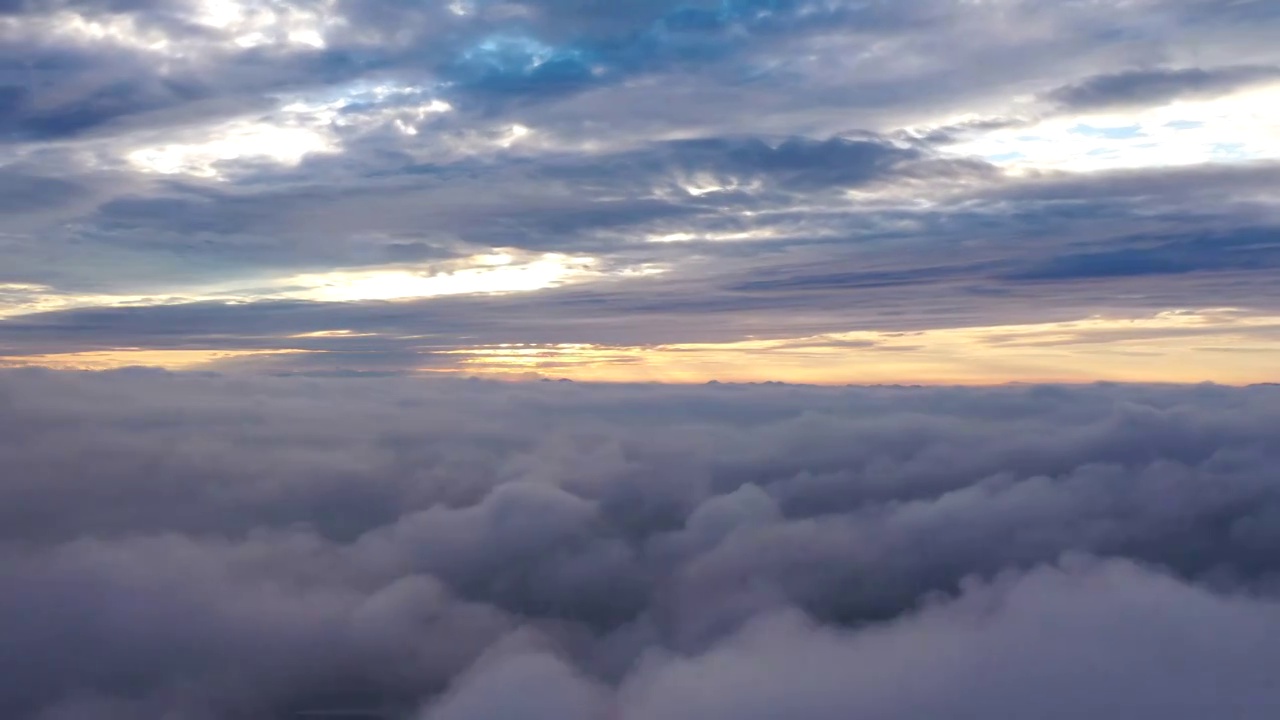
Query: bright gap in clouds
[(241, 140), (18, 299), (224, 24), (299, 128), (250, 24), (1241, 126), (497, 273)]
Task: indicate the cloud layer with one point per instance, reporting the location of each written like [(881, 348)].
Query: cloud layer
[(429, 182), (205, 546)]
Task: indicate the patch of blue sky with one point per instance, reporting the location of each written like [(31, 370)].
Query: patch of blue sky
[(1006, 157), (1125, 132), (511, 53), (519, 63), (730, 12), (1229, 151), (363, 96)]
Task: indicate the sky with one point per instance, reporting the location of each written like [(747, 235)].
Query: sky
[(808, 191), (220, 546)]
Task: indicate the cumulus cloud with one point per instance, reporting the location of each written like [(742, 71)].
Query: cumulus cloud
[(1104, 639), (212, 546)]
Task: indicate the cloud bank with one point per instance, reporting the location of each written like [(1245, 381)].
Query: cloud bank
[(206, 546)]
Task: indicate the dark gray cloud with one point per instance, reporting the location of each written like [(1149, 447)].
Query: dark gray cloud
[(1248, 249), (1146, 87), (218, 547)]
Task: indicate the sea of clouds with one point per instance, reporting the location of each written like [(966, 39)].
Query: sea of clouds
[(199, 547)]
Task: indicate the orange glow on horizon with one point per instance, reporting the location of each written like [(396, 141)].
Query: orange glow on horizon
[(1219, 345), (135, 357)]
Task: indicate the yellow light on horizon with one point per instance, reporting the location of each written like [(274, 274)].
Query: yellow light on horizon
[(490, 274), (135, 357), (1144, 349), (1220, 345)]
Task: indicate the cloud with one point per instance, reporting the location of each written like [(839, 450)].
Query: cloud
[(1245, 250), (26, 193), (1150, 87), (742, 167), (218, 546), (1111, 639), (304, 201), (536, 686)]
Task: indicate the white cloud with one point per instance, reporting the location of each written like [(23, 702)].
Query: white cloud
[(1240, 126), (499, 273), (284, 144), (252, 23)]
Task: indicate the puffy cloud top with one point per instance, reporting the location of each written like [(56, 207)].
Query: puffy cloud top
[(205, 546)]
